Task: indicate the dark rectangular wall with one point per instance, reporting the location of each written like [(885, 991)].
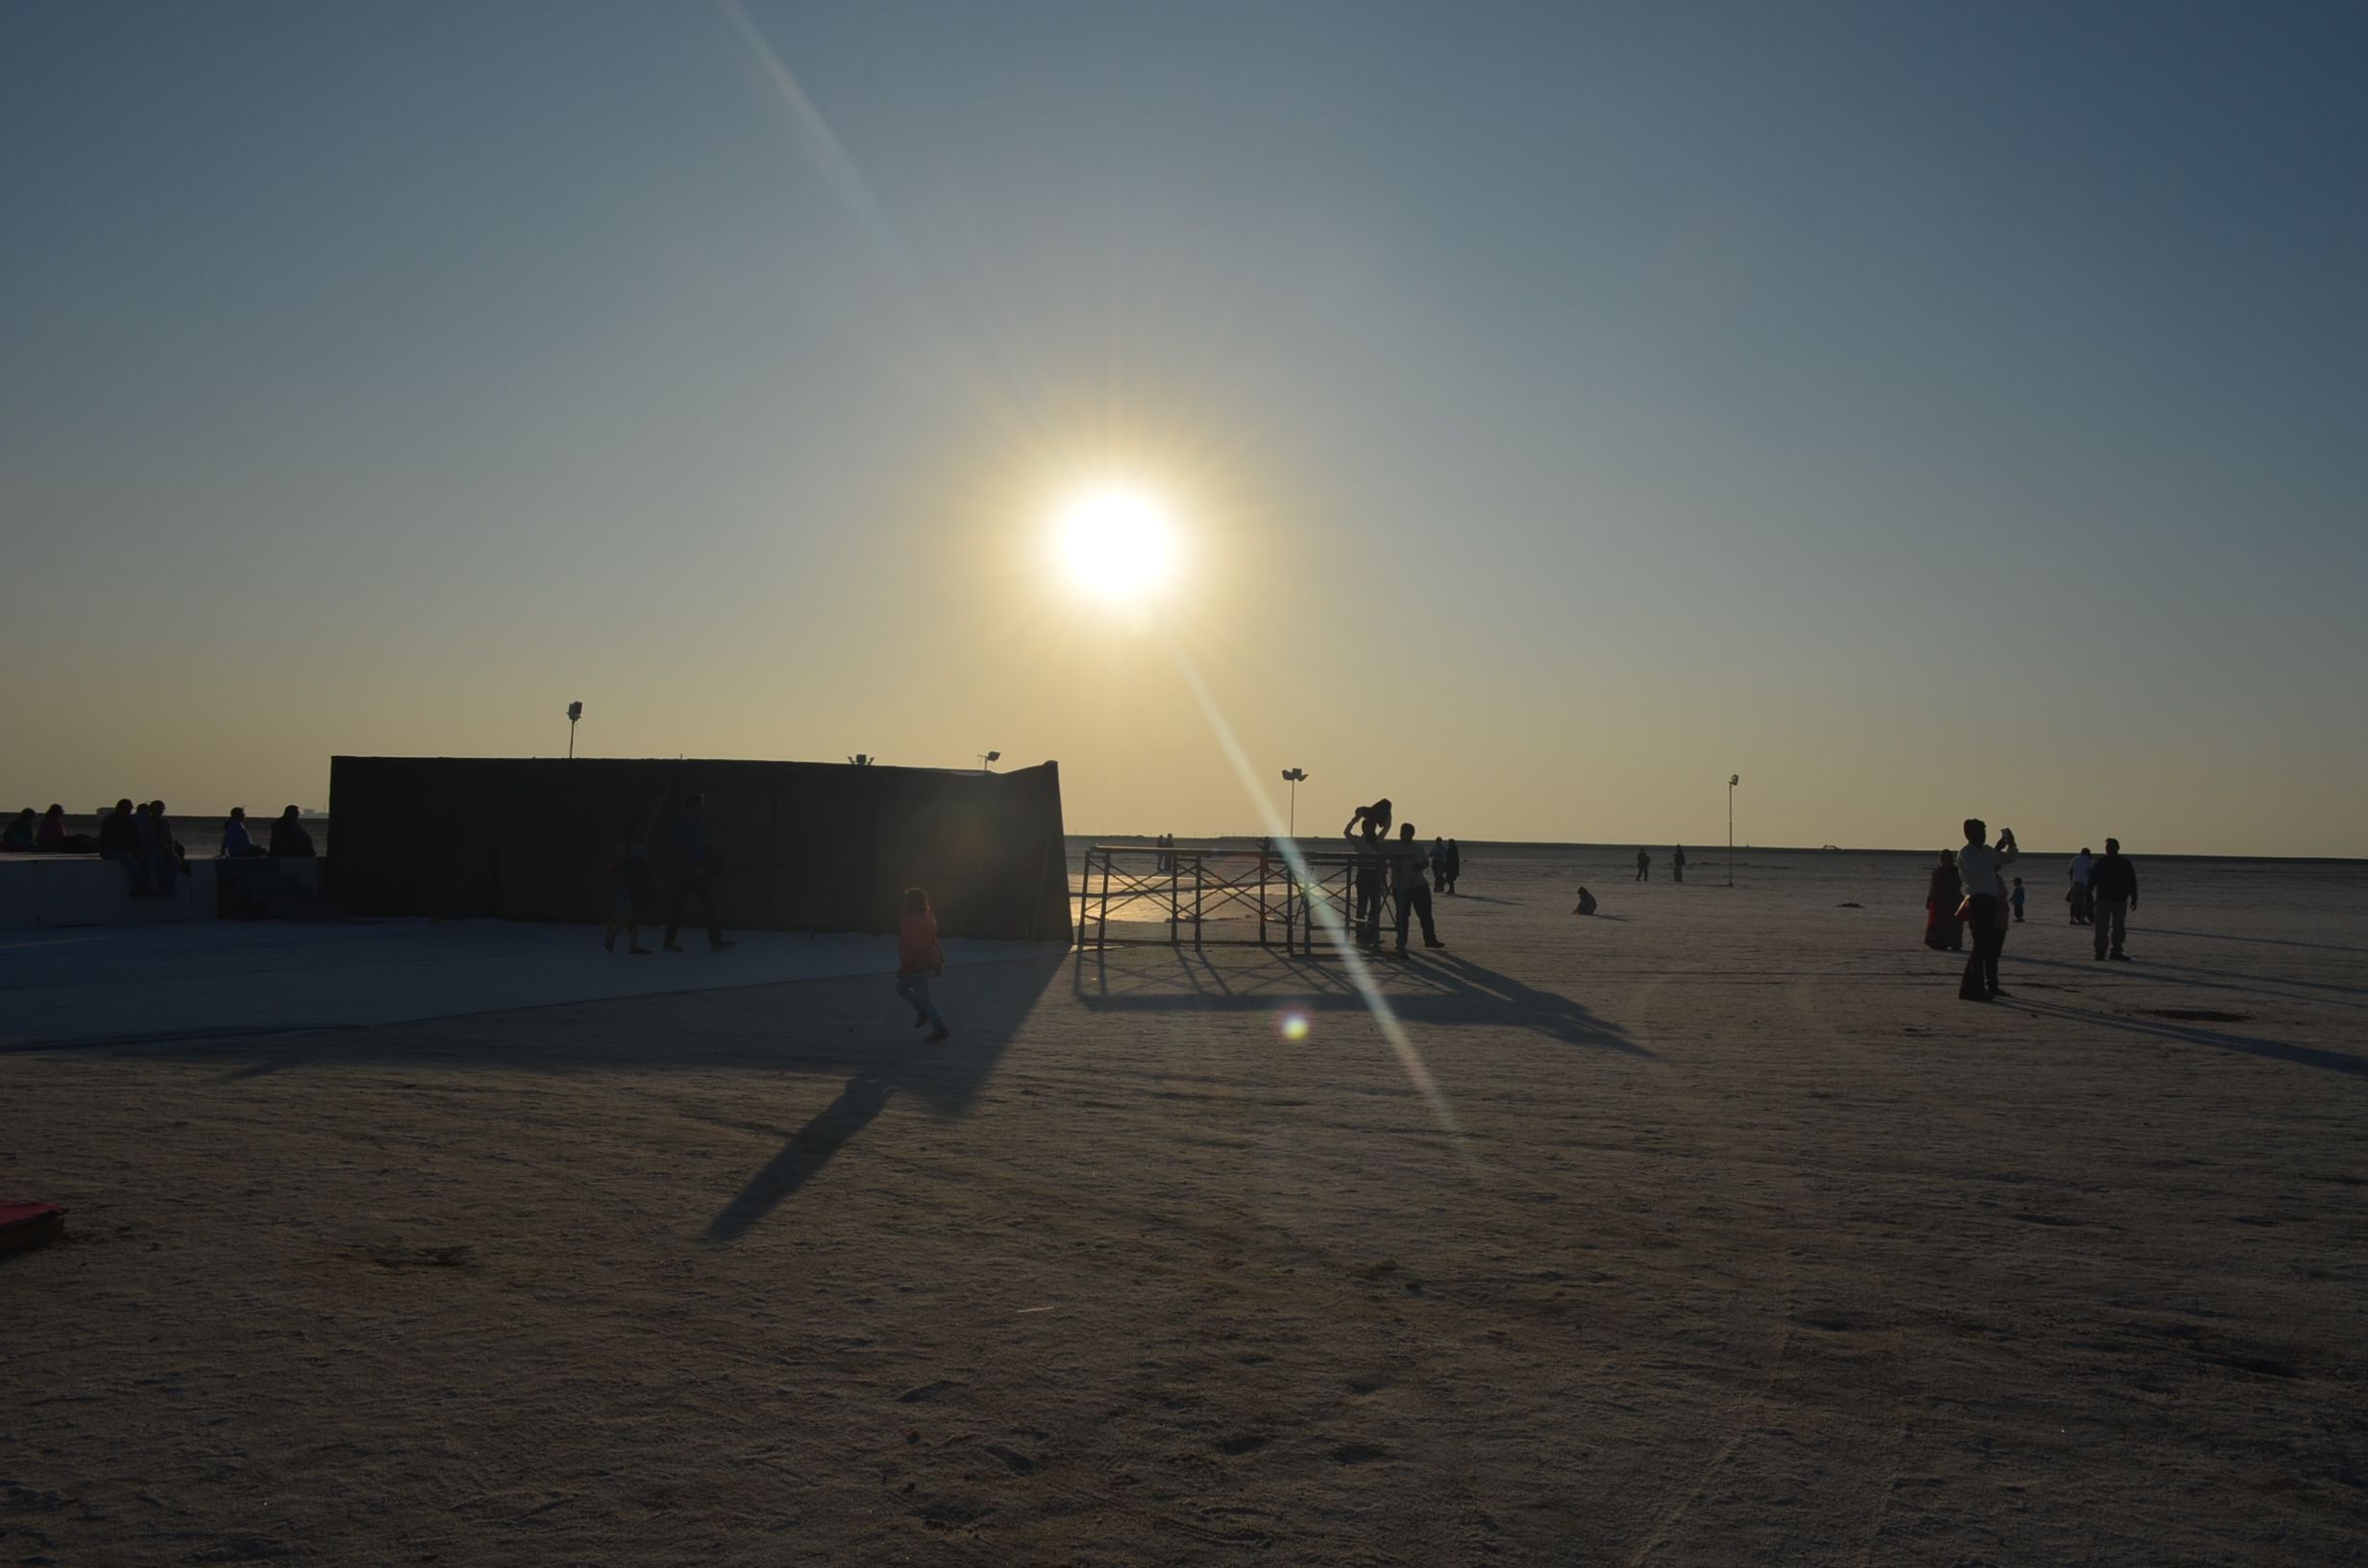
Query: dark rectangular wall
[(806, 846)]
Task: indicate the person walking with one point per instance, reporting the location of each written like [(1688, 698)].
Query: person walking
[(1978, 864), (633, 889), (919, 960), (1455, 864), (1439, 858), (690, 870), (2082, 866), (1412, 890), (1677, 864), (1944, 932), (1644, 866), (2112, 892)]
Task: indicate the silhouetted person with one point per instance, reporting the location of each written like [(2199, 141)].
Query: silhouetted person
[(1586, 903), (1455, 863), (1978, 864), (157, 849), (1943, 930), (1439, 862), (1677, 864), (119, 841), (631, 887), (2083, 865), (2112, 887), (24, 833), (1413, 889), (289, 841), (690, 871), (1644, 866), (54, 840), (238, 844), (2016, 898), (919, 958), (1364, 834)]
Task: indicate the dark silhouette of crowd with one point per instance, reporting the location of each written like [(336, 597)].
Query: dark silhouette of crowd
[(143, 840)]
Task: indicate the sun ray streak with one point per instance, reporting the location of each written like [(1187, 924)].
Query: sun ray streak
[(1417, 1072)]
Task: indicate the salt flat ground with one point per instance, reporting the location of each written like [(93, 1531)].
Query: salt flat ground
[(1737, 1240)]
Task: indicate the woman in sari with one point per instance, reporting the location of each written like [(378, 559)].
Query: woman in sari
[(1943, 931)]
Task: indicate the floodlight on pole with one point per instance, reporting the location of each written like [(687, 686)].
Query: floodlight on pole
[(575, 711), (987, 761), (1296, 775), (1732, 779)]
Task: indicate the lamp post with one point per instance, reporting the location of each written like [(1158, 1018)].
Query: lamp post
[(575, 711), (987, 761), (1295, 776), (1732, 779)]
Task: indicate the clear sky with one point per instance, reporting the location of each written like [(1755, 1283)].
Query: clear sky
[(1920, 409)]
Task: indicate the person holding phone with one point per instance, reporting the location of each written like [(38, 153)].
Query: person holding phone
[(1978, 864)]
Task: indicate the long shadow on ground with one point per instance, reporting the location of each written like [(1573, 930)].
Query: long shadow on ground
[(1437, 991), (2307, 1056)]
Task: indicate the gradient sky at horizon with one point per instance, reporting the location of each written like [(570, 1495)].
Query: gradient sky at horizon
[(1920, 410)]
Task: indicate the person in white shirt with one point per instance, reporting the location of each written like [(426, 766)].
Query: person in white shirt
[(1978, 864), (2082, 863)]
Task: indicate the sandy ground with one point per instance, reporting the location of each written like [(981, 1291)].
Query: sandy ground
[(1749, 1243)]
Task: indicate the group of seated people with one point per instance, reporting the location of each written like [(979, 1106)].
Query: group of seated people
[(140, 838)]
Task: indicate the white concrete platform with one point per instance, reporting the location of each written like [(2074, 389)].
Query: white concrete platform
[(127, 984), (44, 891)]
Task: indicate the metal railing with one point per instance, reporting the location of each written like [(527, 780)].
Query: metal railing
[(1188, 889)]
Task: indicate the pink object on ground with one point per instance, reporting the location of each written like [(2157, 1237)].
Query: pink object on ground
[(25, 1224)]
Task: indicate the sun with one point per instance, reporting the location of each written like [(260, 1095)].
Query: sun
[(1116, 541)]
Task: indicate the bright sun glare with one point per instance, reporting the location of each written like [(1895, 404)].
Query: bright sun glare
[(1116, 541)]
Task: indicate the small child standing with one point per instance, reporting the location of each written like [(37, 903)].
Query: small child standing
[(2017, 900), (919, 959)]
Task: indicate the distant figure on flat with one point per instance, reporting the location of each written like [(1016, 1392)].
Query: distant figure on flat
[(1413, 889), (2017, 900), (1977, 863), (690, 869), (2083, 865), (2113, 890), (1677, 864), (1644, 866), (919, 960), (1438, 856), (633, 889), (1944, 932), (1455, 863), (1586, 903)]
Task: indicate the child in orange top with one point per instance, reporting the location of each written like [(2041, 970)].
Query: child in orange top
[(918, 958)]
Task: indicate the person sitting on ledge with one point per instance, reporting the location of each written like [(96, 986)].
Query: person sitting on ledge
[(237, 843), (119, 841), (21, 834), (288, 838), (54, 840)]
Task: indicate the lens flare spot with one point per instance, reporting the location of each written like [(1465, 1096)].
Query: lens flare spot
[(1292, 1026)]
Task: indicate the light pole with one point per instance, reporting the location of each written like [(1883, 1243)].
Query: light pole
[(987, 761), (575, 711), (1295, 776), (1732, 779)]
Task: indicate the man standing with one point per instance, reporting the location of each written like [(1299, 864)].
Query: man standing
[(1677, 864), (1644, 866), (1413, 889), (690, 866), (1977, 864), (2082, 863), (2112, 893), (1367, 835)]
